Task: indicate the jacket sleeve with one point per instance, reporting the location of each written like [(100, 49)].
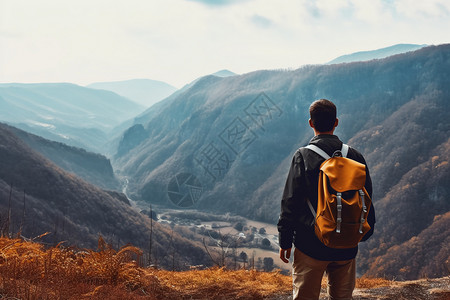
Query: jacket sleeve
[(371, 217), (293, 194)]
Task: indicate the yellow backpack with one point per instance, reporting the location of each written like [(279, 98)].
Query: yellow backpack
[(343, 203)]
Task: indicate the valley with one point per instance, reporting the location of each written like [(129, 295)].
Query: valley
[(237, 241), (211, 160)]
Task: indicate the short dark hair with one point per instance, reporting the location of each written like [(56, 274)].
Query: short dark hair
[(323, 115)]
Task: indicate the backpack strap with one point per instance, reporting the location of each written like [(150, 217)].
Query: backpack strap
[(344, 150), (311, 208), (324, 155), (318, 151)]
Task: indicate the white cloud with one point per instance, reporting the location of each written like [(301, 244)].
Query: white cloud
[(423, 9), (217, 2), (178, 40), (261, 21)]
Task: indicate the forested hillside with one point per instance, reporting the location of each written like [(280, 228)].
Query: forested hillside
[(92, 167), (409, 154), (236, 135), (37, 197)]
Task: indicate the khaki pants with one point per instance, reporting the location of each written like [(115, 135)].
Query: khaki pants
[(307, 276)]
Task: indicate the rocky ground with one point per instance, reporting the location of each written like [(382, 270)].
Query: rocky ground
[(423, 289)]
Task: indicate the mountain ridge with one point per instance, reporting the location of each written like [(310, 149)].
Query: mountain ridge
[(65, 112), (404, 96), (146, 92), (41, 197), (92, 167), (376, 54), (224, 73)]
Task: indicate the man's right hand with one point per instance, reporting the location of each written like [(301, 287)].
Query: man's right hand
[(285, 254)]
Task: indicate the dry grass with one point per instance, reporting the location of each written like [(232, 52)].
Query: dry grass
[(225, 284), (369, 283), (29, 271)]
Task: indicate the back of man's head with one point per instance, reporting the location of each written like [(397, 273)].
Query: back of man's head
[(323, 115)]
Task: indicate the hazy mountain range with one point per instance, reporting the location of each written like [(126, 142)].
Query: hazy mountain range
[(232, 138), (146, 92), (376, 54), (65, 112)]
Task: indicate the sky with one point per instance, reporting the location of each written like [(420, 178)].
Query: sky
[(177, 41)]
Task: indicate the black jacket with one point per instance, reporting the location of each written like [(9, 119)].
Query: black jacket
[(294, 224)]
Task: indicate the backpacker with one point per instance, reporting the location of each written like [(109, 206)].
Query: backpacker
[(343, 203)]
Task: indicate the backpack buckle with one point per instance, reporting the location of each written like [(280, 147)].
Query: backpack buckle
[(339, 212), (337, 153)]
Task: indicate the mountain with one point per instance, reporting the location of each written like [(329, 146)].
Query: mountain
[(120, 142), (92, 167), (414, 218), (225, 144), (376, 54), (41, 198), (224, 73), (146, 92), (66, 113)]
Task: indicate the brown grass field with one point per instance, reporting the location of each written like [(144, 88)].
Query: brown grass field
[(30, 271)]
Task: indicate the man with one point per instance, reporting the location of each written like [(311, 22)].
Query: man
[(311, 257)]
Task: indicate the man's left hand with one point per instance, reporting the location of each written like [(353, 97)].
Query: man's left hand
[(285, 254)]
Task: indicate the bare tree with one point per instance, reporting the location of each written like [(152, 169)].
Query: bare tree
[(253, 260), (225, 243), (8, 217), (23, 216), (244, 257), (151, 237), (172, 245), (235, 257), (156, 258), (55, 230)]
